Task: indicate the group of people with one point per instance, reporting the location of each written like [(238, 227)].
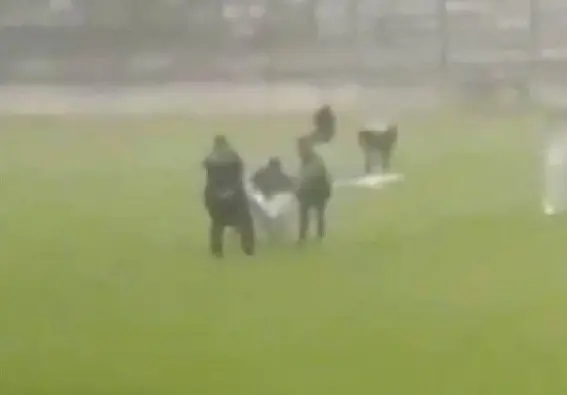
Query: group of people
[(226, 194), (233, 201)]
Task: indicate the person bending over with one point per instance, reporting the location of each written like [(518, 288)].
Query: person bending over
[(271, 197)]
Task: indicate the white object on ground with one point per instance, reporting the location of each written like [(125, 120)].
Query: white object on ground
[(274, 207), (372, 181), (273, 216)]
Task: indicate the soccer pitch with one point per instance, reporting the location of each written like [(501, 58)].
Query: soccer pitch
[(450, 283)]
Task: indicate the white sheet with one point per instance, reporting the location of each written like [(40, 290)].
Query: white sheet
[(275, 207)]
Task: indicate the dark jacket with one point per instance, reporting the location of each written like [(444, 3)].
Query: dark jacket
[(225, 170), (271, 181), (379, 140), (314, 180)]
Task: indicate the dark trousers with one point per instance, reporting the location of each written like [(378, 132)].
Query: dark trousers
[(374, 157), (315, 204), (233, 213)]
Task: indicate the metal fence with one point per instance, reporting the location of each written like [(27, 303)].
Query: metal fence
[(358, 41)]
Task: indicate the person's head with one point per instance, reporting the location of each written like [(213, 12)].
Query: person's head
[(274, 163), (220, 142)]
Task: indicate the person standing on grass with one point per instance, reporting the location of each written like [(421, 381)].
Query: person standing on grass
[(314, 189), (377, 143), (225, 197)]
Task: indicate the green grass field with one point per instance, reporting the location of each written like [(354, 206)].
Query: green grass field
[(451, 283)]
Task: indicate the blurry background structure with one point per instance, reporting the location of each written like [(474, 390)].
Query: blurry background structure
[(367, 42)]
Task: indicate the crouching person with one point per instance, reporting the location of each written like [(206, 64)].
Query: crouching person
[(377, 143), (225, 197), (271, 197), (314, 190)]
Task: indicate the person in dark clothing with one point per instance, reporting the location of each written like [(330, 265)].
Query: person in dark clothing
[(377, 145), (314, 189), (271, 179), (324, 122), (272, 198), (225, 197)]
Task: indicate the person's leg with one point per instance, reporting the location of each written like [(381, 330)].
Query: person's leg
[(388, 152), (216, 227), (247, 237), (385, 156), (216, 238), (372, 158), (303, 220), (246, 227), (321, 220), (391, 145), (364, 145)]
